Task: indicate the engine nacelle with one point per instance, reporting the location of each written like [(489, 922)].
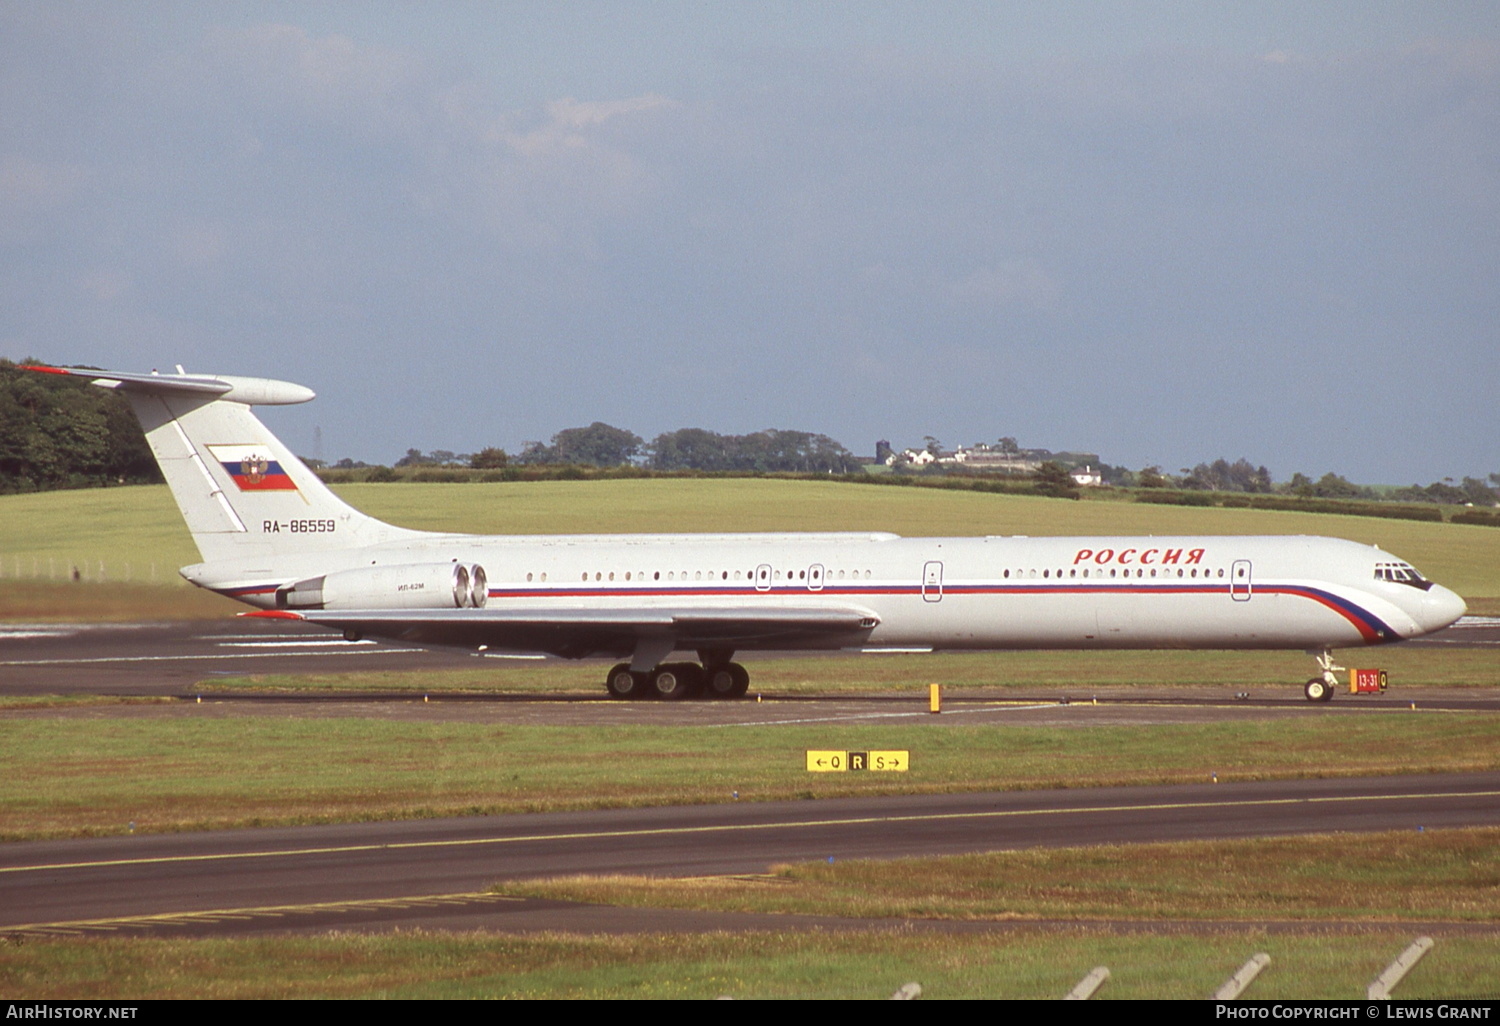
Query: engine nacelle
[(411, 586)]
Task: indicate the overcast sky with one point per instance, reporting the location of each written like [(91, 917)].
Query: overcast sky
[(1164, 232)]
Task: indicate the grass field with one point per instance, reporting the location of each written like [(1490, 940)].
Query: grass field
[(1439, 875), (186, 772), (1017, 962), (135, 536)]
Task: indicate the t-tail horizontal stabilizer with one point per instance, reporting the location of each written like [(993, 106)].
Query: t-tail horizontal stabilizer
[(248, 501), (249, 391)]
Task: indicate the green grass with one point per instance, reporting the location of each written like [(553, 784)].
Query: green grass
[(871, 964), (41, 601), (190, 772), (134, 534), (1439, 875), (44, 535)]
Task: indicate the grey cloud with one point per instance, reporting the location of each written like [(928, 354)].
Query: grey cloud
[(867, 243)]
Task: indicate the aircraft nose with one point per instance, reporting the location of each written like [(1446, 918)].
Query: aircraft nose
[(1441, 607)]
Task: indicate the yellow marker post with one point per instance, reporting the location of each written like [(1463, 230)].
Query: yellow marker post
[(934, 698)]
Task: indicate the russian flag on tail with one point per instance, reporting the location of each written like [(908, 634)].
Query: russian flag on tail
[(252, 468)]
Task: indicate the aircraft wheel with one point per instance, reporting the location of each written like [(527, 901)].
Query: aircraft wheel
[(693, 674), (671, 682), (624, 684), (1317, 690), (727, 680), (718, 681)]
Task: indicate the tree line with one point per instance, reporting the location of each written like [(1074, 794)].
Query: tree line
[(603, 445), (1243, 477), (62, 432)]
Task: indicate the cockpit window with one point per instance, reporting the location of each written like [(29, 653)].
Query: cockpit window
[(1401, 573)]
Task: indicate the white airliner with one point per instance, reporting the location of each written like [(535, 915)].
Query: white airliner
[(272, 535)]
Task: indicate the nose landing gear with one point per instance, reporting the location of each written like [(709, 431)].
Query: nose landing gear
[(1321, 688)]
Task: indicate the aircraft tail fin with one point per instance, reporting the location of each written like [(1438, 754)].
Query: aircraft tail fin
[(242, 492)]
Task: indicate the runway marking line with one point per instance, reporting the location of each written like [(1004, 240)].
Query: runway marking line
[(1000, 707), (992, 707), (306, 643), (295, 635), (208, 657), (729, 827), (219, 915)]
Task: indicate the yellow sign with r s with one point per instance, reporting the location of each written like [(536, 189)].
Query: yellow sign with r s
[(855, 762)]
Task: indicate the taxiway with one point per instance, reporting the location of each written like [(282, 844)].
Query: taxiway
[(379, 875)]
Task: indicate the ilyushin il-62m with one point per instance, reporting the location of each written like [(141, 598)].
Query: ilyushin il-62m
[(272, 535)]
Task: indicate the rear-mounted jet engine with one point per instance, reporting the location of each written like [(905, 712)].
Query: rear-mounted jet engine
[(413, 586)]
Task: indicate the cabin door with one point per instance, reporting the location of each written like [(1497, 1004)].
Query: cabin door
[(932, 582), (1239, 580)]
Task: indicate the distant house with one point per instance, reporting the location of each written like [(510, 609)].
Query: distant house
[(991, 460), (983, 458)]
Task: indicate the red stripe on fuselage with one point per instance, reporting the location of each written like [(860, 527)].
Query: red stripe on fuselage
[(1370, 627)]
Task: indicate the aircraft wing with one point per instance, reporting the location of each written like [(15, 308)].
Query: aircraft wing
[(578, 632)]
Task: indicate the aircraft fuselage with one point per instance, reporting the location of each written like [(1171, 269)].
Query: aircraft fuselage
[(1268, 592)]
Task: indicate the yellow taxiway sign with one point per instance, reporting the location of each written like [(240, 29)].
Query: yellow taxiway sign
[(854, 762)]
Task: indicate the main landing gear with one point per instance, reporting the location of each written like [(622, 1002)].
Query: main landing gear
[(1321, 688), (716, 678)]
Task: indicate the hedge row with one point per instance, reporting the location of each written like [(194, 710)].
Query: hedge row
[(575, 472), (1477, 516), (1022, 486), (1388, 510), (460, 475)]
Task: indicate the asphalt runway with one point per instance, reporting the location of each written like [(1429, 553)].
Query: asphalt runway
[(433, 872), (170, 658), (173, 659)]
